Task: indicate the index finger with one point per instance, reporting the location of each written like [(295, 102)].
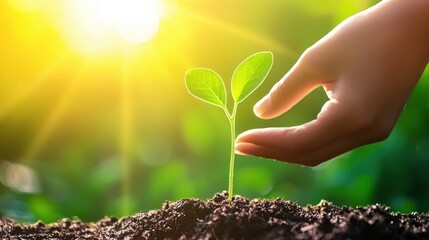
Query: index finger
[(334, 122)]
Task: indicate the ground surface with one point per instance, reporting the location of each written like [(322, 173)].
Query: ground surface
[(241, 218)]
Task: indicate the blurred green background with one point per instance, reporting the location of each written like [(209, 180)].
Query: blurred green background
[(93, 124)]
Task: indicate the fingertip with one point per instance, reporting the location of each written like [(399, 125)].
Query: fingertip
[(294, 86), (262, 106), (241, 137), (241, 149), (246, 137)]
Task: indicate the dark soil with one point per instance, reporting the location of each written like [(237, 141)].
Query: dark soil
[(241, 218)]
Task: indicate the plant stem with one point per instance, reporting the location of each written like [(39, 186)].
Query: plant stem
[(232, 157)]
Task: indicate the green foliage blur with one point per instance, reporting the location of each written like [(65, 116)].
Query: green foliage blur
[(178, 146)]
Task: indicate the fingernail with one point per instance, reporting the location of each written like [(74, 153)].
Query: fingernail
[(262, 106)]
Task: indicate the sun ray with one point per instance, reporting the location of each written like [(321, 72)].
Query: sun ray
[(239, 31), (8, 105), (52, 121), (125, 134)]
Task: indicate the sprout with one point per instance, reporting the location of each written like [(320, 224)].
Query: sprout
[(206, 85)]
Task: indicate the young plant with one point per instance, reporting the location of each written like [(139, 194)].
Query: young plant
[(206, 85)]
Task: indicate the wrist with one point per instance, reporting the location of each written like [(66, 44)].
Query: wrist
[(412, 16)]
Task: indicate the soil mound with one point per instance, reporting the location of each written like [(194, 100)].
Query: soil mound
[(241, 218)]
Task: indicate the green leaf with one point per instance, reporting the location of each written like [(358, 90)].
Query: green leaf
[(250, 74), (206, 85)]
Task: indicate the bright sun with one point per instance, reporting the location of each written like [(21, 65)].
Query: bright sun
[(95, 22), (135, 21)]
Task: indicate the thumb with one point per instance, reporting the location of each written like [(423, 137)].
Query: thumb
[(295, 85)]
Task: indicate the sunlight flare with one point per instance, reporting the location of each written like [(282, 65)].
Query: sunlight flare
[(99, 24), (134, 21)]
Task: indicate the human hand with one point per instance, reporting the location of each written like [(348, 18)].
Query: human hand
[(368, 66)]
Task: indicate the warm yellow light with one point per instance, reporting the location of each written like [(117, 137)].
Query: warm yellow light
[(95, 24), (26, 5)]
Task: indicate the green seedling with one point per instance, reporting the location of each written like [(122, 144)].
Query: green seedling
[(206, 85)]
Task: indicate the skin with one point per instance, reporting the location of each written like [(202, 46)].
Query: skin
[(368, 66)]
